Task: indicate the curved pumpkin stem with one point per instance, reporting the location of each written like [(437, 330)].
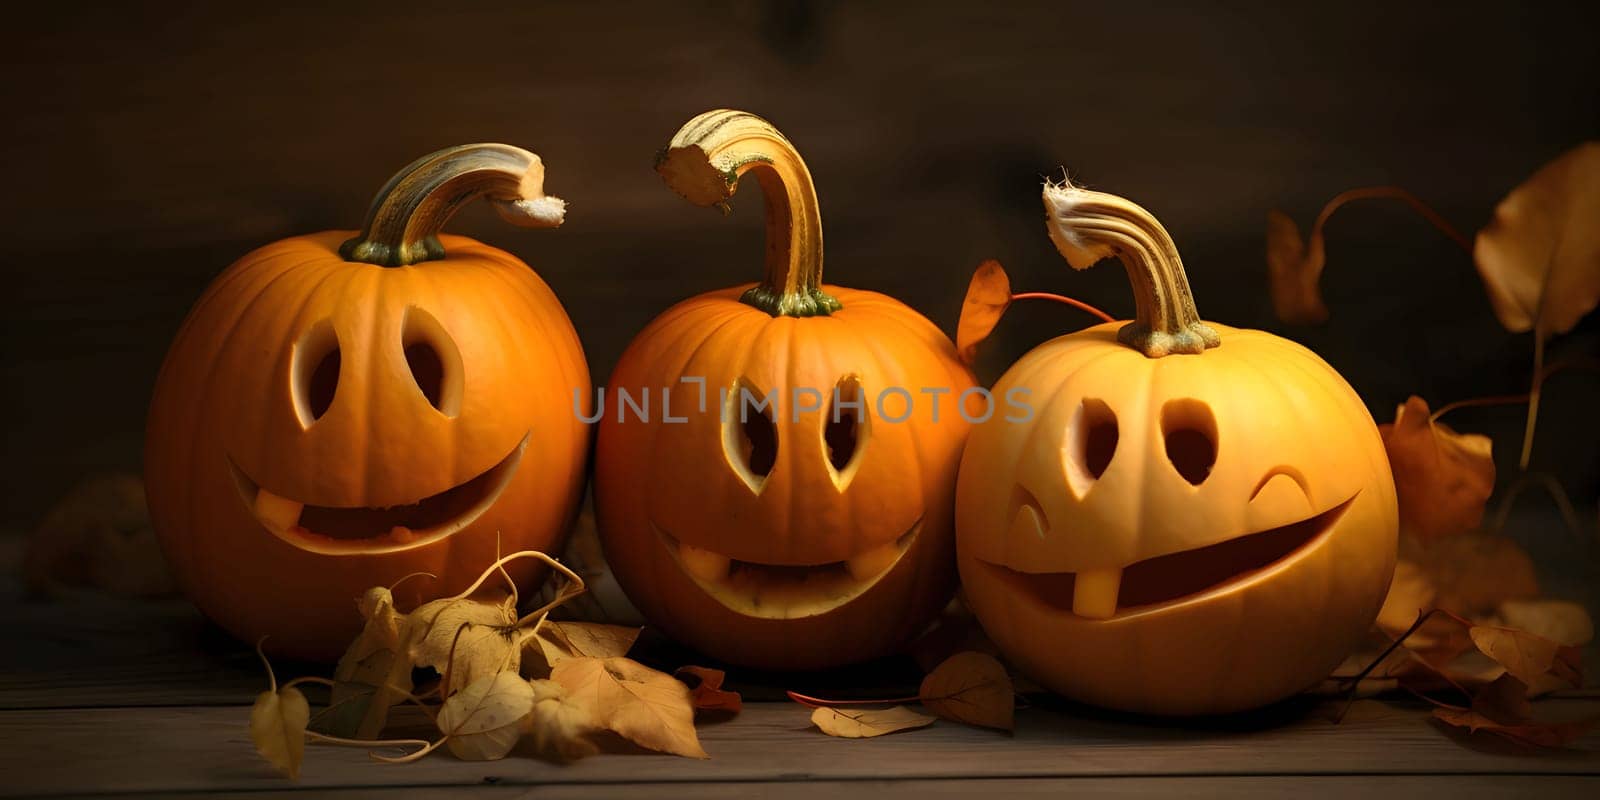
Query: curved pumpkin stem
[(704, 162), (1088, 226), (403, 223)]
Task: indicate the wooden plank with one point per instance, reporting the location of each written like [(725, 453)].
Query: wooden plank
[(1232, 787), (81, 751)]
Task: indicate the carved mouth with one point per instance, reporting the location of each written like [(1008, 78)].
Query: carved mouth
[(1176, 577), (786, 591), (343, 530)]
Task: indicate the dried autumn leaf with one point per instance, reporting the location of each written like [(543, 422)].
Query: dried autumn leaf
[(972, 688), (562, 640), (1442, 478), (1504, 700), (1557, 620), (1294, 270), (1530, 733), (278, 724), (1410, 593), (649, 708), (480, 631), (558, 727), (705, 689), (866, 723), (988, 295), (1540, 256), (372, 675), (1474, 573), (483, 721), (1527, 657)]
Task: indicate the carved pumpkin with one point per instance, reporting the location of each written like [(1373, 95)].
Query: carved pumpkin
[(1193, 518), (332, 418), (817, 530)]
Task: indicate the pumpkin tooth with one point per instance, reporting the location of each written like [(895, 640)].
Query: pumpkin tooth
[(704, 564), (1094, 592), (279, 513), (873, 562)]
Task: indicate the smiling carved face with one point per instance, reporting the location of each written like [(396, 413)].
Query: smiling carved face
[(776, 534), (1186, 534), (323, 426)]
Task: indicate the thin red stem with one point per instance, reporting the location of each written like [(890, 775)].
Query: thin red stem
[(1393, 193), (1078, 304), (817, 702)]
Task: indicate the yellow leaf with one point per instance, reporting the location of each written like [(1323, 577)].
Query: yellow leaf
[(1540, 255), (649, 708), (988, 295), (560, 640), (558, 726), (1527, 657), (1442, 478), (1557, 620), (866, 723), (480, 630), (370, 677), (973, 688), (278, 727), (1294, 270), (484, 720), (1410, 593)]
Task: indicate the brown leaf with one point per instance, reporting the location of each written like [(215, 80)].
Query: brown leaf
[(1527, 657), (972, 688), (1442, 478), (866, 723), (1504, 700), (988, 295), (649, 708), (558, 726), (705, 689), (1530, 733), (372, 675), (1475, 573), (1293, 271), (474, 637), (1410, 593), (1557, 620), (1540, 256), (483, 721), (97, 536), (561, 640)]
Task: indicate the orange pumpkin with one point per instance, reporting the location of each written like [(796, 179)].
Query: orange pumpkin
[(1190, 518), (333, 417), (812, 531)]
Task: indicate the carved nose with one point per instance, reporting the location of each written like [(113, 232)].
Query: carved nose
[(1280, 497)]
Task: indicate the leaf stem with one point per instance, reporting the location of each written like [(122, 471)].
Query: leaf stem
[(818, 702), (1061, 298), (272, 679)]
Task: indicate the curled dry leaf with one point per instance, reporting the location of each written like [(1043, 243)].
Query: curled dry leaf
[(866, 723), (558, 727), (988, 295), (1540, 256), (1442, 478), (481, 632), (484, 720), (1530, 659), (649, 708), (373, 674), (1557, 620), (705, 689), (278, 724), (1532, 734), (1294, 270), (972, 688), (561, 640)]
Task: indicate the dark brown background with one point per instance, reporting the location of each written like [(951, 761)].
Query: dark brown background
[(147, 147)]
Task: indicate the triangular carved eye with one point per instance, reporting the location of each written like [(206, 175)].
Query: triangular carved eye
[(750, 434), (844, 429)]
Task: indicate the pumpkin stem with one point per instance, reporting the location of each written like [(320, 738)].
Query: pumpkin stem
[(1088, 226), (403, 223), (704, 162)]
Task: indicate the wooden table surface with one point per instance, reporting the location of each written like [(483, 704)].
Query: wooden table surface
[(104, 696)]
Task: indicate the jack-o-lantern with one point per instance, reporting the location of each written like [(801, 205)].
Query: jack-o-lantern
[(332, 418), (1190, 518), (789, 504)]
